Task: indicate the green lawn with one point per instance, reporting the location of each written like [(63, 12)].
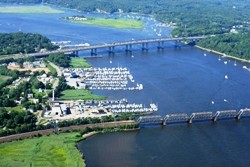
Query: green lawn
[(78, 62), (79, 94), (51, 69), (47, 151), (3, 78), (115, 23), (39, 9)]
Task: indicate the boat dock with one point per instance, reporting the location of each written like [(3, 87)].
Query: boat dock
[(101, 78)]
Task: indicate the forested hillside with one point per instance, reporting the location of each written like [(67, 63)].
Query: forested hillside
[(12, 43)]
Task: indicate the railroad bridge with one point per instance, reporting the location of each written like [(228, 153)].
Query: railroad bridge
[(194, 117), (111, 46)]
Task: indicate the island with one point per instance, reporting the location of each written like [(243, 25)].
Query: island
[(107, 22)]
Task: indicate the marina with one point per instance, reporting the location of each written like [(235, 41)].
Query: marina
[(68, 110), (101, 78)]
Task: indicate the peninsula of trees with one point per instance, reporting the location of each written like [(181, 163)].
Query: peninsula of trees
[(16, 43)]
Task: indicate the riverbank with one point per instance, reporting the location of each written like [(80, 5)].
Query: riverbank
[(55, 148), (89, 134), (223, 54), (86, 135), (26, 135)]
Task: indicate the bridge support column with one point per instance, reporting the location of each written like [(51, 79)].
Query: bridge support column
[(145, 46), (190, 120), (214, 119), (111, 49), (93, 52), (129, 48), (75, 53), (177, 44), (239, 114), (160, 45)]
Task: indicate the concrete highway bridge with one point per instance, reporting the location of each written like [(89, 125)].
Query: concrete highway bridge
[(111, 46)]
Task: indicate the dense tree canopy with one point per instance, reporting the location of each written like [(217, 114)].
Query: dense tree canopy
[(60, 59), (13, 43), (232, 44)]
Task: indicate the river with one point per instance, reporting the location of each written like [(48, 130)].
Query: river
[(177, 79)]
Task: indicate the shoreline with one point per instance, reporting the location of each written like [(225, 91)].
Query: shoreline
[(89, 134), (223, 54)]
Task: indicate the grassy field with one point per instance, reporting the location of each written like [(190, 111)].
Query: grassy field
[(115, 23), (51, 69), (78, 62), (79, 94), (3, 78), (47, 151), (29, 9)]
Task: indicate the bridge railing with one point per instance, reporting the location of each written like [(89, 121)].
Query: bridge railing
[(172, 118), (227, 114), (150, 119), (243, 113), (200, 116)]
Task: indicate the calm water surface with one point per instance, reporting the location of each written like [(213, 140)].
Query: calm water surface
[(178, 80)]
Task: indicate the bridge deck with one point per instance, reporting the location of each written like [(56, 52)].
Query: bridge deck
[(124, 43)]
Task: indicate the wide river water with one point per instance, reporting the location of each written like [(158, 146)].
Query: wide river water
[(178, 80)]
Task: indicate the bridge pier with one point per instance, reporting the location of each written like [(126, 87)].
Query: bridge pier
[(128, 48), (75, 53), (160, 45), (177, 44), (243, 113), (144, 46), (93, 52), (111, 49)]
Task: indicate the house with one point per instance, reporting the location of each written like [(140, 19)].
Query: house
[(30, 95)]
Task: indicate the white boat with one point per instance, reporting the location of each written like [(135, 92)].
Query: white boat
[(225, 62), (235, 63), (245, 67), (226, 77)]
